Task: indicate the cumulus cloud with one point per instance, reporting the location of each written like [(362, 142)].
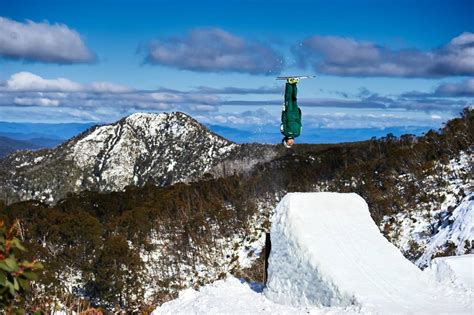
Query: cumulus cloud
[(39, 101), (42, 42), (445, 90), (101, 86), (465, 88), (27, 81), (349, 57), (215, 50)]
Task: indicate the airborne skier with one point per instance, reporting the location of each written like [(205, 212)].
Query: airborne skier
[(291, 114)]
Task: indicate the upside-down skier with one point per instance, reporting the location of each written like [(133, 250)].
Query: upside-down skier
[(291, 114)]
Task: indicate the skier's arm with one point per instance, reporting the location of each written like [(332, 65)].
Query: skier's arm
[(283, 115), (283, 124)]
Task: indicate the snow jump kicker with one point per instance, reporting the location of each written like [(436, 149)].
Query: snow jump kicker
[(327, 251)]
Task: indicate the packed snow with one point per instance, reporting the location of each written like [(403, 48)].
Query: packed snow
[(233, 296), (454, 270), (328, 257), (228, 296), (327, 250)]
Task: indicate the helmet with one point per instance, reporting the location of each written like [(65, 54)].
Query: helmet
[(286, 143)]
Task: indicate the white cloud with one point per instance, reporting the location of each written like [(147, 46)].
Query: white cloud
[(28, 89), (43, 42), (107, 87), (350, 57), (166, 97), (39, 101), (27, 81), (202, 108), (465, 88), (258, 117), (215, 50)]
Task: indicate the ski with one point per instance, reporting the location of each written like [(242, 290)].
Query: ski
[(299, 77)]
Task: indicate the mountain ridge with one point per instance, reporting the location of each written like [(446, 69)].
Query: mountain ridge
[(9, 145), (143, 147)]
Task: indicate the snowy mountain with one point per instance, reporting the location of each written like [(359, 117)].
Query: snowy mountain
[(142, 148)]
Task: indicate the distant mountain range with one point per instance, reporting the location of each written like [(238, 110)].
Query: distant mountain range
[(271, 134), (27, 131), (9, 145), (34, 136), (49, 135)]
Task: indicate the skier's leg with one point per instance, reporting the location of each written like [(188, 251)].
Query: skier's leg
[(295, 90), (290, 96)]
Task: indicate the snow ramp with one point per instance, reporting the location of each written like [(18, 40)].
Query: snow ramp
[(327, 251)]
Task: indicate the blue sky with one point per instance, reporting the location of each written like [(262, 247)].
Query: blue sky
[(379, 64)]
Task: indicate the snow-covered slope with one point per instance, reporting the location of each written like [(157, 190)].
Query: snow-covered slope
[(457, 230), (228, 296), (232, 296), (326, 250), (159, 148), (442, 225), (453, 270), (166, 148)]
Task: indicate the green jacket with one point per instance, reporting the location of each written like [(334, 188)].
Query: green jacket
[(291, 114)]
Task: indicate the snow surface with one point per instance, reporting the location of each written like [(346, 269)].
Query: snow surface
[(231, 296), (326, 250), (453, 270), (228, 296)]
